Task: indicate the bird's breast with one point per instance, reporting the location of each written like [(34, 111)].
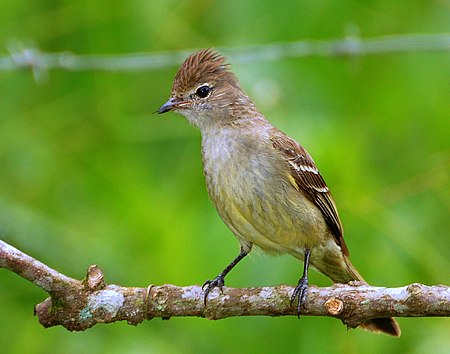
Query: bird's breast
[(249, 186), (237, 168)]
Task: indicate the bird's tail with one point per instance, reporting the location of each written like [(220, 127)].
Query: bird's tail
[(378, 325)]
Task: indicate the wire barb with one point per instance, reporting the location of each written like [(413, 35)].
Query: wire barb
[(40, 62)]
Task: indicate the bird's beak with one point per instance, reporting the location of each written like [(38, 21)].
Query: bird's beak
[(171, 104), (166, 107)]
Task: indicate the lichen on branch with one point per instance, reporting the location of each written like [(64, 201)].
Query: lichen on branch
[(81, 304)]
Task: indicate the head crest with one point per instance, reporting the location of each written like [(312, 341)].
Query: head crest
[(202, 66)]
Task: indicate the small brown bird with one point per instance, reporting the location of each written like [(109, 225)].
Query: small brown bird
[(264, 185)]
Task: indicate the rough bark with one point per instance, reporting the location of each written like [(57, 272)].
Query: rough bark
[(80, 304)]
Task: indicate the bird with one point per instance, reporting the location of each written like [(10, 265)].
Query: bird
[(264, 185)]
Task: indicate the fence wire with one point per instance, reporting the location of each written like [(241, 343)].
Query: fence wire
[(23, 57)]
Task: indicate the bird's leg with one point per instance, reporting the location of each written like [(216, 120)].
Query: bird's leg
[(300, 289), (219, 281)]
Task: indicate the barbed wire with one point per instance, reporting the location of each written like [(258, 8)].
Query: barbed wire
[(22, 57)]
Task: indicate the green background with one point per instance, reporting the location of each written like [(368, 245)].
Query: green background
[(89, 176)]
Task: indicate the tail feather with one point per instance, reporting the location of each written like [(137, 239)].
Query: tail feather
[(382, 325), (377, 325)]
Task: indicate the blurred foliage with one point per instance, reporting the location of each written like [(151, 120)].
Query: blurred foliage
[(89, 175)]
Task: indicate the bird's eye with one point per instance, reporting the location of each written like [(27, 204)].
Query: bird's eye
[(203, 91)]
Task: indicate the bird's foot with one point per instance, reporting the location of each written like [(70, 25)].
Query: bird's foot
[(300, 294), (217, 282)]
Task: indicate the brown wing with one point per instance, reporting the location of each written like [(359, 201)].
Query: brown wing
[(311, 183)]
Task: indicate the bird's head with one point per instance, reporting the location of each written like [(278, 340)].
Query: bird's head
[(205, 91)]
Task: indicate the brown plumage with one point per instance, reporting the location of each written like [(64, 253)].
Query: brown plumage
[(202, 67), (309, 180), (264, 185)]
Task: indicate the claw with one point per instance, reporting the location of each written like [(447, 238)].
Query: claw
[(300, 293), (218, 282)]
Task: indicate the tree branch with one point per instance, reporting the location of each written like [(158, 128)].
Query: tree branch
[(78, 305)]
